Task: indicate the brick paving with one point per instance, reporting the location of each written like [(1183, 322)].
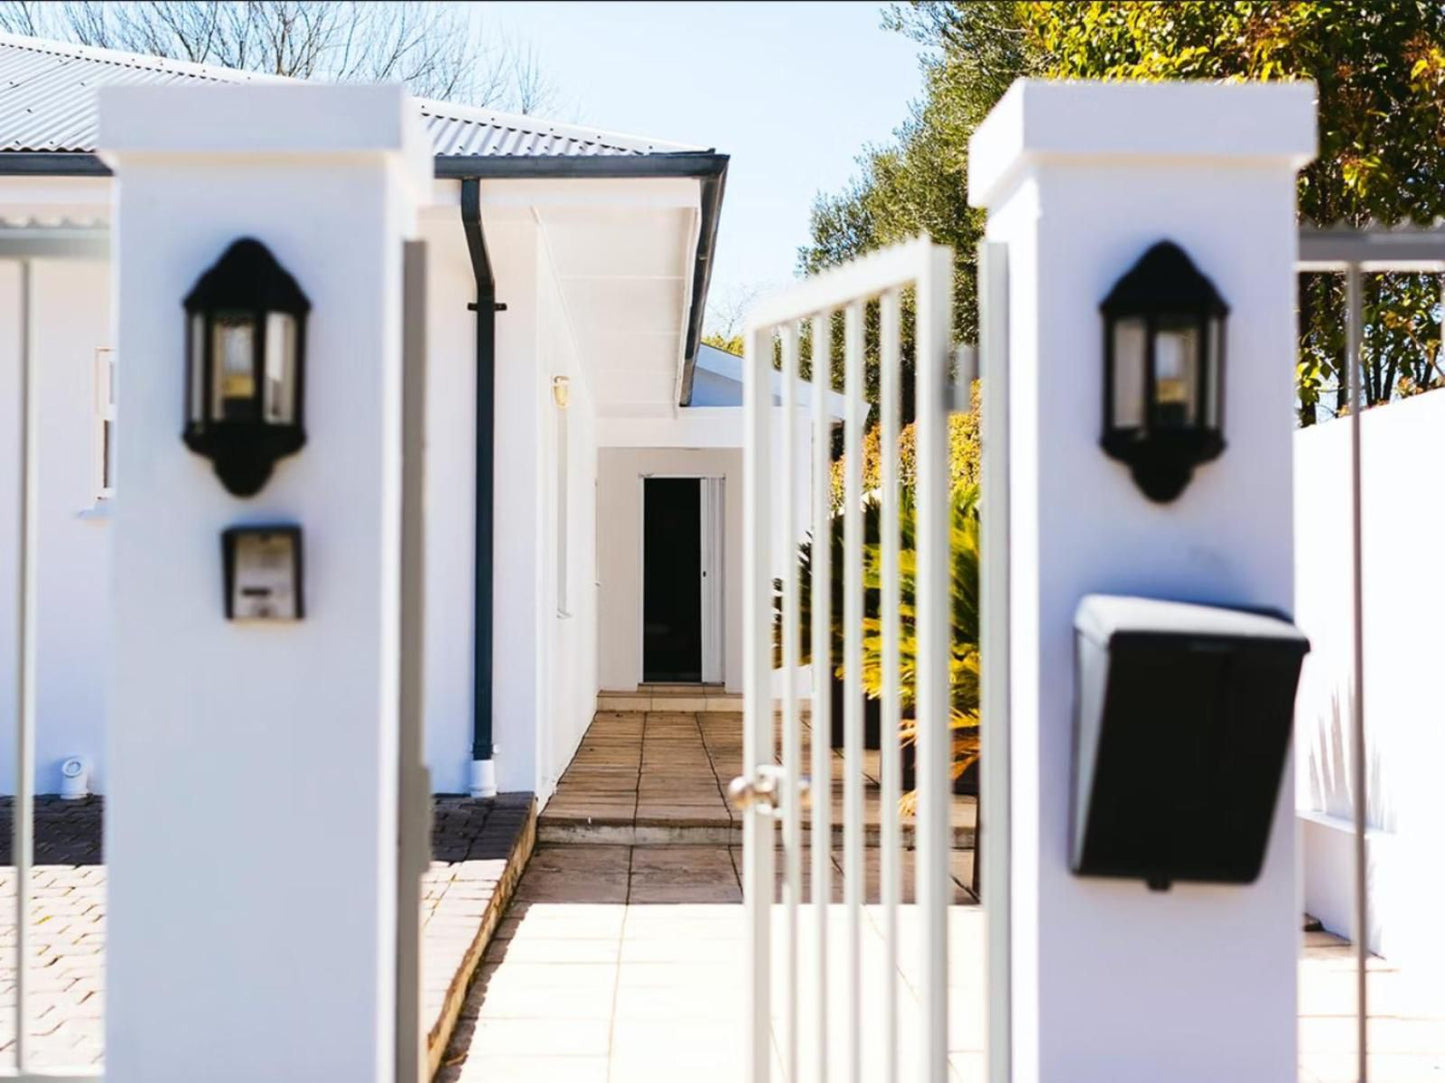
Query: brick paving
[(478, 849)]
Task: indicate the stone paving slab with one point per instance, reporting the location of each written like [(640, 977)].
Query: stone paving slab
[(479, 849), (590, 979)]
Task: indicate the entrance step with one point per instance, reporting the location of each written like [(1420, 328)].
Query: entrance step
[(562, 829), (691, 698), (658, 777)]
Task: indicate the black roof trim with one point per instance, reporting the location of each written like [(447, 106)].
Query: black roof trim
[(51, 163), (708, 166)]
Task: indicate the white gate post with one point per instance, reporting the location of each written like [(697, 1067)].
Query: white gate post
[(251, 827), (1112, 982)]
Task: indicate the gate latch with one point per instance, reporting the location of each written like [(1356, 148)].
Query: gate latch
[(763, 789)]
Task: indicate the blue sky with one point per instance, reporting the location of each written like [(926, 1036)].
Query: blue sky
[(792, 91)]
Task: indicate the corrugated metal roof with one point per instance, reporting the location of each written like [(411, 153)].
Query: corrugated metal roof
[(47, 104)]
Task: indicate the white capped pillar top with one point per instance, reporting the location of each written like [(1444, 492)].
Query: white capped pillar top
[(282, 119), (1037, 121)]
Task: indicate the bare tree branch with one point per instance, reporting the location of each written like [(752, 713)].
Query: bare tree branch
[(437, 49)]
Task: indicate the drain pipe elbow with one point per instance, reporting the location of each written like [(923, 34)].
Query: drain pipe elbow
[(483, 782)]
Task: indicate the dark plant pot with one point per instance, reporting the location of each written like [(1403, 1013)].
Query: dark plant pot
[(872, 719), (965, 785)]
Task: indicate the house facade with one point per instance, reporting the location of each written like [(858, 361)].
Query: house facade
[(583, 493)]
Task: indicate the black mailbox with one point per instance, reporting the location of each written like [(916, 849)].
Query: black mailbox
[(1181, 728)]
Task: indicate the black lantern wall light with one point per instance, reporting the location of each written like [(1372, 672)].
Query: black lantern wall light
[(1164, 326), (246, 361)]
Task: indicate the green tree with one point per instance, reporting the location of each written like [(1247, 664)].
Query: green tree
[(918, 183), (727, 343), (1380, 68)]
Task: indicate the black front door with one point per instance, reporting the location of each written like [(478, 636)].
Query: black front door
[(671, 579)]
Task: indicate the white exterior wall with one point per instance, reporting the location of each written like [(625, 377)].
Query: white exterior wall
[(619, 527), (450, 501), (568, 628), (70, 318), (10, 496), (545, 666), (1403, 713)]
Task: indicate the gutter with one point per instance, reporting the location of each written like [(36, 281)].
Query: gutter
[(708, 167), (483, 782)]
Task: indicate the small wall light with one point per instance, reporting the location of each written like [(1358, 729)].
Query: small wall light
[(246, 353), (561, 391), (1164, 325)]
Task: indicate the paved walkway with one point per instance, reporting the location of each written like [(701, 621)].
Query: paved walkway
[(461, 905), (1407, 1020), (660, 775), (614, 962), (621, 964), (625, 964)]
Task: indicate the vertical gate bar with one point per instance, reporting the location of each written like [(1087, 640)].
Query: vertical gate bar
[(935, 293), (1354, 361), (889, 876), (413, 785), (757, 699), (23, 843), (994, 768), (821, 655), (792, 740), (853, 870)]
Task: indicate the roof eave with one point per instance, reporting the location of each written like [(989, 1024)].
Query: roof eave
[(708, 167), (51, 163)]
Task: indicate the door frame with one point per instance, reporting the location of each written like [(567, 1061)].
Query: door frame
[(713, 535), (712, 557)]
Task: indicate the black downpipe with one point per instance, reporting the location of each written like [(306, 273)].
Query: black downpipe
[(486, 308)]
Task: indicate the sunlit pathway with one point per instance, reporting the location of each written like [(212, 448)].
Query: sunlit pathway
[(626, 963)]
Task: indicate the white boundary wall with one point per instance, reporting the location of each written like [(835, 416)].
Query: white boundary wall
[(1404, 593)]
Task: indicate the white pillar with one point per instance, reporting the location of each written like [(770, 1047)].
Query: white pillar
[(251, 819), (1112, 982)]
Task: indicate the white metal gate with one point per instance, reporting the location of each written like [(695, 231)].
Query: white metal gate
[(805, 954)]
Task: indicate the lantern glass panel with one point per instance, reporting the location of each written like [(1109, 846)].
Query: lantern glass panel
[(1214, 373), (1130, 339), (280, 387), (1177, 349), (233, 366), (196, 392)]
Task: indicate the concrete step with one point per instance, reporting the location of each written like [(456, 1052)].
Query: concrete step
[(701, 831), (681, 698)]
